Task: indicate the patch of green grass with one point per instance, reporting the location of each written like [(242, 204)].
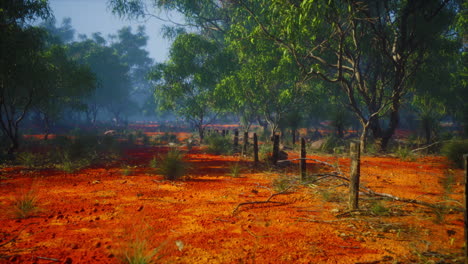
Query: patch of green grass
[(448, 181), (137, 251), (26, 205), (154, 163), (405, 153), (378, 208), (172, 166), (331, 196), (126, 170), (27, 159), (281, 184), (454, 151), (235, 170), (218, 145)]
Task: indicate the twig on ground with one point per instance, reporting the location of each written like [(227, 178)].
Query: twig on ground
[(15, 237), (427, 146), (50, 259), (262, 202)]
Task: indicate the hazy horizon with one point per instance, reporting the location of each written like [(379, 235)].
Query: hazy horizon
[(90, 16)]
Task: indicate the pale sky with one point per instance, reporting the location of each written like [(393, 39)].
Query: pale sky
[(89, 16)]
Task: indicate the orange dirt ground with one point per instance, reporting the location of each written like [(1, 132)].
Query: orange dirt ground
[(91, 215)]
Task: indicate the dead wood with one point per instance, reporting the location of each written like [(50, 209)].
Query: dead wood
[(262, 202)]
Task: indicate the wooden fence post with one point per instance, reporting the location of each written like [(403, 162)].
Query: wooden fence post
[(302, 164), (465, 159), (354, 176), (275, 149), (293, 132), (255, 147), (246, 142)]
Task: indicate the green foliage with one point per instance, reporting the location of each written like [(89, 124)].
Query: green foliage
[(378, 208), (333, 144), (127, 170), (28, 159), (218, 145), (405, 153), (137, 251), (281, 184), (454, 151), (165, 138), (154, 163), (265, 152), (26, 205), (235, 170), (172, 166)]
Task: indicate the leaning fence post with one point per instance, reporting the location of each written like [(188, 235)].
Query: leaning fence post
[(302, 163), (465, 159), (275, 149), (354, 176), (246, 142), (255, 147)]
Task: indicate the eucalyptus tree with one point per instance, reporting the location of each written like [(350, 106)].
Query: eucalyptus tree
[(131, 49), (186, 82), (31, 70), (263, 83), (113, 82), (371, 49)]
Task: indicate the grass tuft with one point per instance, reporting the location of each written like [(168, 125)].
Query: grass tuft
[(172, 166), (26, 205), (235, 170)]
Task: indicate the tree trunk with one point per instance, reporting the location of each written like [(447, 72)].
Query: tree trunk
[(363, 137), (293, 131), (382, 137), (201, 133)]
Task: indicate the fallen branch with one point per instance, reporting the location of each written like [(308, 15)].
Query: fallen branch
[(316, 160), (428, 146), (370, 192), (15, 237), (50, 259), (262, 202)]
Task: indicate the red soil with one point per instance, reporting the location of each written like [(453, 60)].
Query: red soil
[(89, 216)]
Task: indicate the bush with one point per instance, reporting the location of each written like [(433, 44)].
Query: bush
[(27, 159), (265, 152), (333, 144), (172, 166), (218, 145), (404, 153), (26, 205), (454, 151), (235, 170)]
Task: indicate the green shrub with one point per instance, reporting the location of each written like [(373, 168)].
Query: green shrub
[(281, 184), (333, 144), (235, 170), (404, 153), (377, 208), (454, 151), (218, 145), (27, 159), (265, 152), (126, 170), (137, 251), (153, 163), (172, 166), (26, 205), (165, 138)]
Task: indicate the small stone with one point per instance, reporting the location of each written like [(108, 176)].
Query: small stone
[(335, 210)]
